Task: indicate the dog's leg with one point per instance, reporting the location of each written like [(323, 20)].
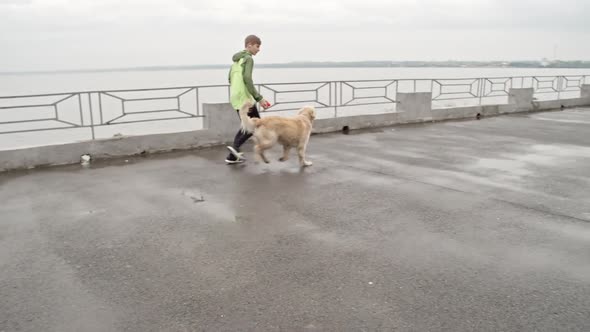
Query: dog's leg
[(259, 149), (301, 151), (286, 150), (302, 161)]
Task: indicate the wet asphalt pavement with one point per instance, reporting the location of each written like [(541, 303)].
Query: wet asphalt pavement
[(455, 226)]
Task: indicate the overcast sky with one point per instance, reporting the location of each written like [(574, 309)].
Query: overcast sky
[(83, 34)]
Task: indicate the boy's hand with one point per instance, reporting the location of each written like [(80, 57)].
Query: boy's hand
[(264, 103)]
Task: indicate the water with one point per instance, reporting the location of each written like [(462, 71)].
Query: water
[(27, 84)]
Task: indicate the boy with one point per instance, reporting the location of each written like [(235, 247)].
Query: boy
[(242, 90)]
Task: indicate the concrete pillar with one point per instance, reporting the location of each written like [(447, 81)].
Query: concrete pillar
[(414, 107), (221, 120), (521, 98), (585, 91)]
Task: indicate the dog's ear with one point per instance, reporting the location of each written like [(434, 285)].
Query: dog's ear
[(311, 112)]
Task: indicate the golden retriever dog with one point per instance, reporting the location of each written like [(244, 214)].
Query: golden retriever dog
[(291, 132)]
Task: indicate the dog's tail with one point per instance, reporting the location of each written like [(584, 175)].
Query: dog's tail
[(248, 124)]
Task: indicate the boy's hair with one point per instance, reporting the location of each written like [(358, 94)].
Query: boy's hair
[(252, 39)]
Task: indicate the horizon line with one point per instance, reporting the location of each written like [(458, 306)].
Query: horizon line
[(300, 64)]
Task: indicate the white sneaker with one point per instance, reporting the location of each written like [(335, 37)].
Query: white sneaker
[(229, 162), (238, 155)]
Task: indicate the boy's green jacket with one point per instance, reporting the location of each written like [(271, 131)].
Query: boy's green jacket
[(240, 79)]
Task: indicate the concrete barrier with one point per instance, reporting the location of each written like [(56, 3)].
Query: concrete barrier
[(414, 107), (221, 123), (355, 122), (221, 126), (521, 99), (557, 104), (467, 112), (221, 120)]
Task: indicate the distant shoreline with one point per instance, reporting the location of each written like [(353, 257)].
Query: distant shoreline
[(352, 64)]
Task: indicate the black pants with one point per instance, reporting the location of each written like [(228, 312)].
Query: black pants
[(241, 136)]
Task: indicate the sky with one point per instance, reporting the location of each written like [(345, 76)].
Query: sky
[(95, 34)]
